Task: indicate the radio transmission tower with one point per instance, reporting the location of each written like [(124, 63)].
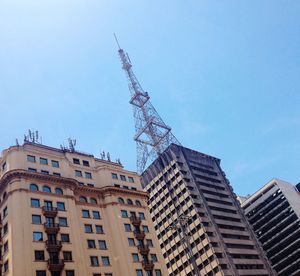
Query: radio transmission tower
[(152, 135)]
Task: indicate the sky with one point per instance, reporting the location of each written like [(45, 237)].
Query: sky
[(223, 74)]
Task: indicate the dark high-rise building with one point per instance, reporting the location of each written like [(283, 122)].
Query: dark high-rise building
[(201, 227)]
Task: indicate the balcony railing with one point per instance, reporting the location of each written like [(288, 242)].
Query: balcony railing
[(140, 235), (148, 265), (135, 220), (143, 249), (51, 228), (56, 264), (49, 211), (53, 246)]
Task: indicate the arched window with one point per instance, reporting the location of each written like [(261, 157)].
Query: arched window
[(93, 200), (121, 200), (83, 199), (129, 201), (59, 191), (46, 189), (33, 187), (138, 203)]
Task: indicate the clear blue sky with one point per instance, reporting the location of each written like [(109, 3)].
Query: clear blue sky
[(233, 67)]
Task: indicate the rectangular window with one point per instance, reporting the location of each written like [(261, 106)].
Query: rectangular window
[(76, 161), (124, 214), (91, 244), (36, 219), (149, 243), (31, 158), (99, 229), (130, 179), (35, 202), (4, 166), (78, 173), (44, 172), (154, 258), (90, 185), (158, 272), (37, 236), (67, 255), (60, 206), (96, 215), (85, 213), (102, 245), (135, 257), (88, 228), (94, 261), (141, 215), (5, 266), (131, 242), (127, 227), (32, 170), (85, 163), (105, 261), (88, 175), (55, 164), (5, 212), (5, 228), (123, 177), (114, 176), (43, 161), (40, 273), (5, 247), (65, 237), (39, 255), (145, 228), (70, 273), (139, 272), (56, 174), (63, 222), (126, 187)]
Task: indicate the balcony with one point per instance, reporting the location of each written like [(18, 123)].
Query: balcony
[(135, 221), (51, 228), (53, 246), (56, 264), (143, 249), (140, 235), (148, 265), (49, 211)]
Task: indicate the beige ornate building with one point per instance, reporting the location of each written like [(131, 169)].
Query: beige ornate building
[(67, 213)]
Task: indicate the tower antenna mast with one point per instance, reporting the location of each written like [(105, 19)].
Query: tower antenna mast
[(152, 135)]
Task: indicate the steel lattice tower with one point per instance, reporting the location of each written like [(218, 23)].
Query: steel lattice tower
[(152, 135)]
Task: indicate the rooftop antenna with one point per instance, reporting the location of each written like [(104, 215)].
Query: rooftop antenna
[(32, 137), (117, 41), (72, 144)]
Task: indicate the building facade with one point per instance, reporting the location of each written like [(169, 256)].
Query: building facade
[(200, 225), (65, 213), (274, 214)]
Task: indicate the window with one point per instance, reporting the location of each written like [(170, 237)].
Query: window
[(94, 261), (145, 228), (78, 173), (40, 273), (83, 199), (126, 187), (5, 228), (131, 242), (80, 183), (31, 158), (76, 161), (5, 248), (149, 243), (85, 213), (65, 237), (102, 245), (139, 272), (63, 222), (35, 202), (135, 257), (48, 204), (32, 170), (114, 176), (129, 201), (124, 214), (37, 236), (107, 274), (33, 187), (56, 174), (46, 189), (44, 172), (36, 219), (5, 212), (70, 273), (93, 200), (123, 177), (133, 188), (5, 266), (121, 200), (43, 161), (39, 255), (85, 163), (117, 185), (88, 175), (158, 272), (141, 215), (60, 206), (88, 228), (105, 261), (91, 244), (127, 227), (55, 164), (154, 258), (59, 191), (138, 203), (96, 215), (99, 229), (4, 166)]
